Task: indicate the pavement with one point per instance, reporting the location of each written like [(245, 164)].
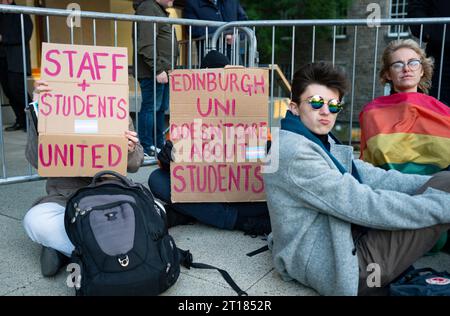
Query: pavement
[(19, 256)]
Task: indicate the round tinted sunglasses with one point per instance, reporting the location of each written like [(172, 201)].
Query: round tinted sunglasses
[(316, 102)]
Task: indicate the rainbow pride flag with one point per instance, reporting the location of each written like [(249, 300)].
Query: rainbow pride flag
[(408, 132)]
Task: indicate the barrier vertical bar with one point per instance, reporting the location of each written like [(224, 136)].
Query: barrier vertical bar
[(25, 83), (172, 62), (206, 41), (334, 44), (200, 48), (272, 76), (375, 63), (136, 76), (442, 62), (115, 33), (71, 31), (221, 46), (293, 53), (352, 104), (251, 43), (155, 135), (421, 35), (47, 22), (245, 51), (190, 48), (233, 47), (313, 43), (94, 31), (396, 15), (238, 48), (2, 141)]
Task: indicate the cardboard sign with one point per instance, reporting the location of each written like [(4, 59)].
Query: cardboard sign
[(219, 128), (82, 121)]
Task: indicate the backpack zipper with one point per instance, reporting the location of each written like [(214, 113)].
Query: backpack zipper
[(82, 212)]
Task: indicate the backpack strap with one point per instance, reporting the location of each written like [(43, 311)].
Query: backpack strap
[(186, 261), (414, 273), (257, 251)]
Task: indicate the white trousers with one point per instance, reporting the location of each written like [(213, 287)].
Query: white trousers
[(44, 224)]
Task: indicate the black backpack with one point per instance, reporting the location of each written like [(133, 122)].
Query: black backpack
[(122, 244), (421, 282)]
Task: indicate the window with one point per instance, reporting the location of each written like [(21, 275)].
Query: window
[(341, 13), (341, 31), (398, 10)]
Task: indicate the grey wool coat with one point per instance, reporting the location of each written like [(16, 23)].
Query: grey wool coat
[(312, 205)]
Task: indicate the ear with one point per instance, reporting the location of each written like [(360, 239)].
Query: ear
[(387, 76), (294, 108)]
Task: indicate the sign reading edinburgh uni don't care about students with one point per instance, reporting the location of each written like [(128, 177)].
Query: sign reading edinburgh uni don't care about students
[(218, 124), (83, 119)]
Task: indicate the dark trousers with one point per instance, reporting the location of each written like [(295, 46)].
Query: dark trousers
[(221, 215), (13, 87), (146, 129), (395, 251)]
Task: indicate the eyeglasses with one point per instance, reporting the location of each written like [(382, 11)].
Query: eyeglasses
[(316, 102), (413, 64)]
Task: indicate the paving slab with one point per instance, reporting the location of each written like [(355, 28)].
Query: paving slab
[(19, 257), (226, 250), (272, 285)]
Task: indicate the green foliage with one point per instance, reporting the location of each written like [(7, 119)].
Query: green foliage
[(290, 10)]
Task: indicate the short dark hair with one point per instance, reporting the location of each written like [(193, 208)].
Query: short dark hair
[(322, 73)]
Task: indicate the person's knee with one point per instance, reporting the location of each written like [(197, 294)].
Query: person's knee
[(439, 181), (441, 177), (159, 184), (34, 225), (439, 229)]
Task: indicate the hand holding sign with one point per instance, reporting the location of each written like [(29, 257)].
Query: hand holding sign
[(40, 86), (132, 140)]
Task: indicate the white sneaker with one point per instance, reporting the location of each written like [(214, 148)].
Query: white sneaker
[(153, 149)]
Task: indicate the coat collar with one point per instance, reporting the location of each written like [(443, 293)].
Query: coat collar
[(293, 124)]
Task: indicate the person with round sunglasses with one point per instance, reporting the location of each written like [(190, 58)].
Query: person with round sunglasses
[(408, 130), (340, 225)]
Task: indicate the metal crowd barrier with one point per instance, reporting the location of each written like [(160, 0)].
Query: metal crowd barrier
[(215, 40)]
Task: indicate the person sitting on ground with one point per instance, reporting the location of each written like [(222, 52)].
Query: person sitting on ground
[(252, 218), (408, 130), (332, 215), (44, 222)]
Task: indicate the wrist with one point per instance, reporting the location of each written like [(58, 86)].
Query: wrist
[(35, 96)]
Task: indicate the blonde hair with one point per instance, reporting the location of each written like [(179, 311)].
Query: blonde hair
[(427, 62)]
